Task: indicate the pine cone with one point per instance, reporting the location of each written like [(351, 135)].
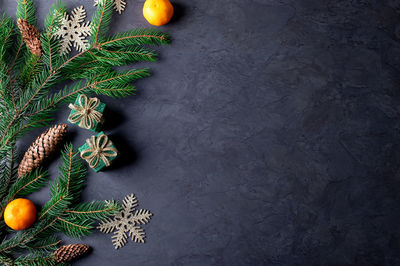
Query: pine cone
[(31, 36), (68, 253), (42, 148)]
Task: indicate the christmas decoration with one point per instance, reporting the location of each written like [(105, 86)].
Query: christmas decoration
[(119, 5), (71, 252), (98, 151), (63, 213), (73, 31), (87, 113), (42, 148), (158, 12), (20, 214), (30, 95), (127, 223), (31, 37)]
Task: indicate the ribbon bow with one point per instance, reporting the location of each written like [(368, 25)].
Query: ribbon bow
[(85, 114), (99, 148)]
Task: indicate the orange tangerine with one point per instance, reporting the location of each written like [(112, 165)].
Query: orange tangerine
[(158, 12), (20, 214)]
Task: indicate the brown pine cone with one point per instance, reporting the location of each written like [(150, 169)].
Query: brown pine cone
[(31, 36), (68, 253), (42, 148)]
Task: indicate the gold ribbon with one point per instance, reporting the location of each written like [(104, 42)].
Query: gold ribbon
[(85, 114), (99, 148)]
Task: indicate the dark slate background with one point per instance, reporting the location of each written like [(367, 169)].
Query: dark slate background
[(267, 135)]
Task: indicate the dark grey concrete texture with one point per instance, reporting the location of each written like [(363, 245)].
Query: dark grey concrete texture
[(268, 134)]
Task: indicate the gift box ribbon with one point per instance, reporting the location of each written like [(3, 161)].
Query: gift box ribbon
[(100, 148), (86, 114)]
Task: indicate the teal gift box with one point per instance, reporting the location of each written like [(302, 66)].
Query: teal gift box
[(87, 112), (98, 152)]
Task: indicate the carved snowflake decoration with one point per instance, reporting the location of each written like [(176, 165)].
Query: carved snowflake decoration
[(127, 222), (119, 5), (73, 31)]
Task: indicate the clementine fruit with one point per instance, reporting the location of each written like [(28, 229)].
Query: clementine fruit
[(20, 214), (158, 12)]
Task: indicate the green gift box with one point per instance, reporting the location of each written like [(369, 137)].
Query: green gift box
[(98, 151), (87, 112)]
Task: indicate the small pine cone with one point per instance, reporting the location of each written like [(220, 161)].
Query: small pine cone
[(31, 36), (42, 148), (68, 253)]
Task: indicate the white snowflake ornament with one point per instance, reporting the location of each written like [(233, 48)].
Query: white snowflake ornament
[(119, 5), (73, 31), (127, 222)]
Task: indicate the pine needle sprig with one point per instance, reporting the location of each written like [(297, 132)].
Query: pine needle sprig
[(95, 210), (28, 184), (124, 56), (33, 67), (51, 45), (73, 227), (9, 173), (67, 187), (5, 89), (34, 260), (136, 37), (6, 33), (26, 10), (101, 20), (44, 245), (118, 84)]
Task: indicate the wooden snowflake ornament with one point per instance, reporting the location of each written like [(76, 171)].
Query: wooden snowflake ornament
[(73, 31), (127, 222), (119, 5)]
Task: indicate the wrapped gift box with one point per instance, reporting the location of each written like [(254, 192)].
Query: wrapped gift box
[(87, 112), (98, 151)]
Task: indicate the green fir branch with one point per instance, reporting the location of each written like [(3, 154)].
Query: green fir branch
[(48, 244), (50, 43), (123, 56), (6, 35), (95, 210), (75, 228), (29, 183), (116, 84), (136, 37), (67, 187), (101, 20), (33, 67), (26, 10), (9, 173), (35, 260)]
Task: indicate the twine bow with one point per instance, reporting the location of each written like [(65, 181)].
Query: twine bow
[(99, 148), (85, 114)]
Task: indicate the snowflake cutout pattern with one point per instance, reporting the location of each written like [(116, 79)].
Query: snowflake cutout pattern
[(119, 5), (127, 222), (73, 31)]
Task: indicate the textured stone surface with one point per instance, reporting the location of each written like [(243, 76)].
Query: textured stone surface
[(268, 134)]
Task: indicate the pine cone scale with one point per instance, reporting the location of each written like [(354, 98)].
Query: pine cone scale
[(68, 253), (42, 148), (31, 36)]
